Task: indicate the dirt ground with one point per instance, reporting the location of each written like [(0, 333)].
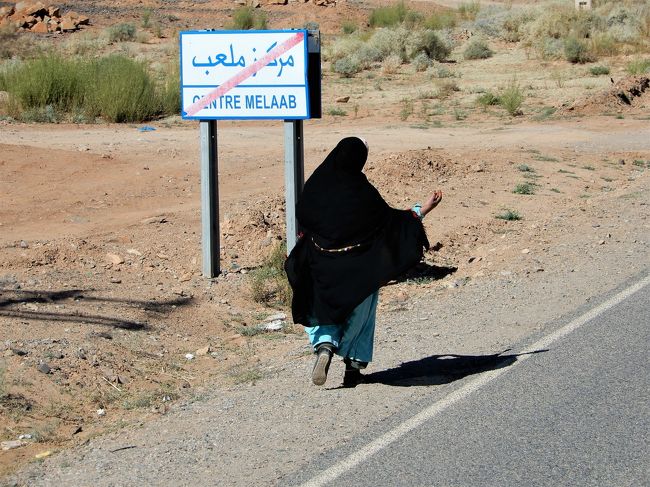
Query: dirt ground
[(101, 295)]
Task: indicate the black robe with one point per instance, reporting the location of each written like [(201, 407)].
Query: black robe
[(339, 208)]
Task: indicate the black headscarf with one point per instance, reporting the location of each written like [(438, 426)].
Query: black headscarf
[(338, 204), (340, 209)]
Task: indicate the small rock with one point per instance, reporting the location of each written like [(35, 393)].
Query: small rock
[(67, 25), (102, 334), (101, 412), (525, 251), (277, 316), (19, 352), (276, 325), (10, 445), (44, 368), (115, 280), (134, 252), (602, 242), (189, 356), (39, 28), (343, 99), (24, 245), (203, 351), (114, 259), (25, 437), (186, 277), (471, 259)]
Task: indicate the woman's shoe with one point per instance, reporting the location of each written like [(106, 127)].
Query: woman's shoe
[(324, 354), (353, 375)]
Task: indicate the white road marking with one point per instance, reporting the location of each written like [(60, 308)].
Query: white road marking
[(335, 471)]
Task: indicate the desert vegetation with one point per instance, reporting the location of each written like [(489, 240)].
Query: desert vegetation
[(68, 81)]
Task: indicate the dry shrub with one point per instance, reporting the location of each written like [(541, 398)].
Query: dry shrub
[(391, 64), (428, 42), (391, 42), (446, 88), (269, 284), (477, 49)]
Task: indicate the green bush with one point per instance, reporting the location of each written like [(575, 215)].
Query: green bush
[(488, 99), (246, 18), (603, 44), (49, 80), (577, 51), (348, 27), (391, 42), (407, 109), (469, 10), (428, 42), (146, 18), (509, 215), (171, 91), (388, 16), (599, 70), (413, 19), (122, 91), (121, 33), (366, 55), (638, 66), (421, 62), (337, 112), (511, 98), (116, 88), (346, 67), (443, 20), (477, 49), (524, 188)]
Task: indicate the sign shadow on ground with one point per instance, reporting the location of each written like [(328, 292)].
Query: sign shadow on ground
[(12, 304)]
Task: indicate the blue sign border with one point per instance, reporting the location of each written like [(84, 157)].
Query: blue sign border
[(212, 32)]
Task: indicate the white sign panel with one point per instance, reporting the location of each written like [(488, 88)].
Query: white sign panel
[(244, 75)]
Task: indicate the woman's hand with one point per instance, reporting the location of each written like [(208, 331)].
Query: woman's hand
[(432, 202)]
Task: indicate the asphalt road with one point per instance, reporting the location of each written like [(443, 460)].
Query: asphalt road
[(577, 414)]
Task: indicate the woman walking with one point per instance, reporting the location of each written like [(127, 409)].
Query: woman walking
[(352, 243)]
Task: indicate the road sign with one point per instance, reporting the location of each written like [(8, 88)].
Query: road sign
[(244, 75)]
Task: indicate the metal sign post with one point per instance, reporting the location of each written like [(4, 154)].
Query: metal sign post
[(209, 198), (294, 175)]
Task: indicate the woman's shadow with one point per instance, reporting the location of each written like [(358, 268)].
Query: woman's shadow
[(440, 369)]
